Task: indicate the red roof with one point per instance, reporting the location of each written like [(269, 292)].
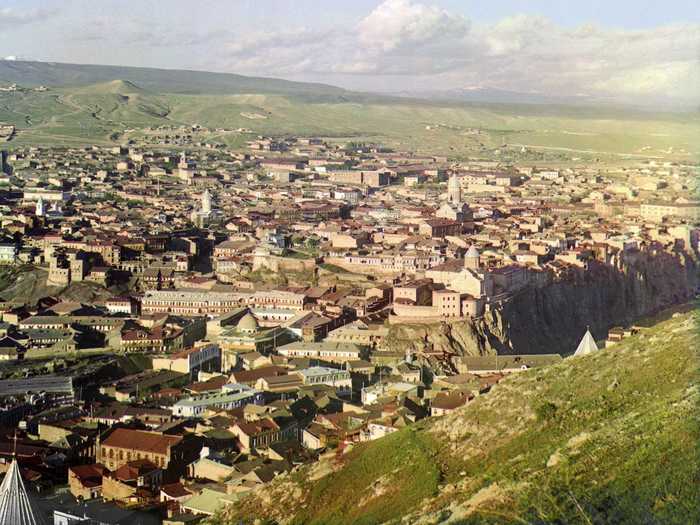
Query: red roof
[(141, 440), (134, 469), (89, 475), (175, 490), (258, 427)]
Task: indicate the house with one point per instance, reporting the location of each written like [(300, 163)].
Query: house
[(11, 349), (281, 383), (174, 492), (323, 375), (208, 502), (397, 390), (119, 446), (226, 400), (326, 351), (191, 360), (85, 481), (444, 403), (136, 481), (493, 364), (260, 434)]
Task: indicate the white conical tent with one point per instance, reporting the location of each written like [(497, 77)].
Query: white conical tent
[(587, 345), (15, 505)]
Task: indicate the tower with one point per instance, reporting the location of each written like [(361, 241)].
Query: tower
[(472, 259), (206, 202), (40, 209), (454, 190), (16, 508), (4, 166), (587, 344), (183, 161)]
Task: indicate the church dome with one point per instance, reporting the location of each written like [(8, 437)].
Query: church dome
[(248, 324), (472, 252)]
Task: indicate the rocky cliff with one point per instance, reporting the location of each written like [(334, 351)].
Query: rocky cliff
[(552, 318)]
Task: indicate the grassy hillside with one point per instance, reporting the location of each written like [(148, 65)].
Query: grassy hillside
[(608, 438), (89, 104), (161, 80)]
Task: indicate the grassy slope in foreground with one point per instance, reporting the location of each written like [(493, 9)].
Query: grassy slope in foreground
[(608, 438)]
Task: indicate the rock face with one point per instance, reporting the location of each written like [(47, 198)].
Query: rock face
[(552, 318)]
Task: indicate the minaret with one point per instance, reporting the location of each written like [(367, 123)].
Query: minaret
[(206, 202), (40, 210), (454, 190)]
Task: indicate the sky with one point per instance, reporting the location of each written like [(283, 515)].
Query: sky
[(630, 50)]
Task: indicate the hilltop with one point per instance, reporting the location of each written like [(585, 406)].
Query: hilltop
[(606, 438), (113, 87)]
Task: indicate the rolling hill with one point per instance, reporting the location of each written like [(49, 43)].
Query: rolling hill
[(158, 80), (96, 104), (607, 438)]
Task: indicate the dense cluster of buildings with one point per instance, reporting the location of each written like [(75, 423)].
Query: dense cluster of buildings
[(186, 326)]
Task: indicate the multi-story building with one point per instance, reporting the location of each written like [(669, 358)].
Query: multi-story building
[(325, 351), (188, 303), (657, 211), (229, 399), (119, 446)]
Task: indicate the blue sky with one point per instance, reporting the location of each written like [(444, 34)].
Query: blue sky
[(637, 50)]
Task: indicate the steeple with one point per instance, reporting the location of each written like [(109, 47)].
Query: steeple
[(454, 190), (40, 210), (206, 201), (15, 506), (587, 344)]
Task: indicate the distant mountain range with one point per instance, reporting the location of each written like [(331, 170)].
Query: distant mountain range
[(498, 96)]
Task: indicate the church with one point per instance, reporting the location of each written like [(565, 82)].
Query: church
[(453, 208), (206, 214)]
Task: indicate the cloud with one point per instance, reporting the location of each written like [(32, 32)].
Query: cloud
[(10, 17), (402, 23), (436, 49), (412, 44)]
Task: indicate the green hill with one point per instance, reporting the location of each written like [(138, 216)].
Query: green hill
[(607, 438), (97, 104), (158, 80)]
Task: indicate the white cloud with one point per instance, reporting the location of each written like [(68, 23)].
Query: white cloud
[(413, 43), (436, 49), (10, 17), (397, 23)]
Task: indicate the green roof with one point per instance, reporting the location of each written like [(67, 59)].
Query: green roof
[(209, 501)]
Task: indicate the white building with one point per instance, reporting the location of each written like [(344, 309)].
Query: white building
[(323, 375), (197, 406)]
